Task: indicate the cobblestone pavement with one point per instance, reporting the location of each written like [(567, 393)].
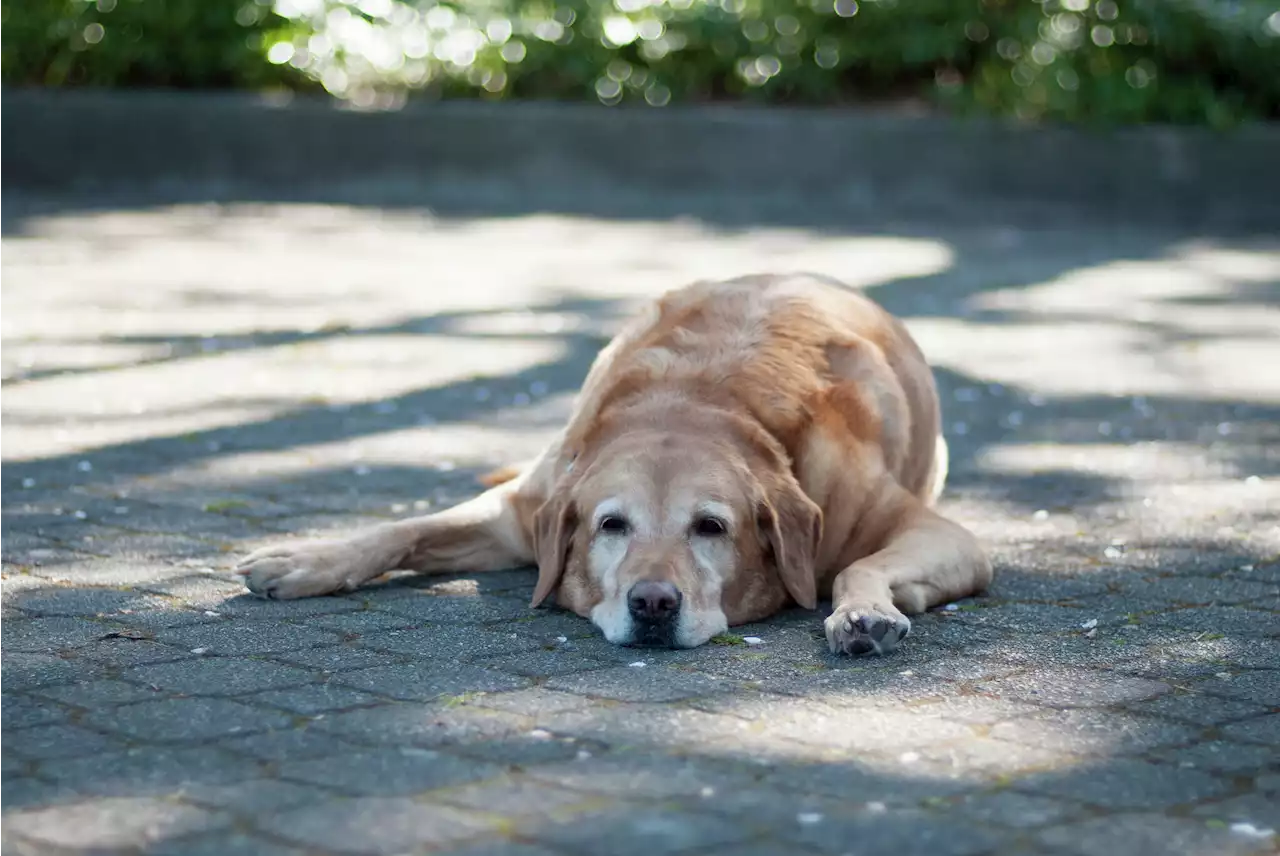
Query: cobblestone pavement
[(185, 383)]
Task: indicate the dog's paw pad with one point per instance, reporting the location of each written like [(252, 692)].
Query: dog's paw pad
[(866, 631), (307, 569)]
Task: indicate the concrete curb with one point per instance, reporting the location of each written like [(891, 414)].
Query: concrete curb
[(650, 162)]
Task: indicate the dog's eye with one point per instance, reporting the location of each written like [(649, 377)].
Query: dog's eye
[(614, 525), (709, 527)]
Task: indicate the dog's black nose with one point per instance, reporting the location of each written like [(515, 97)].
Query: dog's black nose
[(653, 602)]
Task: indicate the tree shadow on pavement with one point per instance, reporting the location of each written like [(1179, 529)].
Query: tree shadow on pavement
[(176, 717), (1114, 691)]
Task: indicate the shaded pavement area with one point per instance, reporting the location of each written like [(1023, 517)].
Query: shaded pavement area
[(190, 374)]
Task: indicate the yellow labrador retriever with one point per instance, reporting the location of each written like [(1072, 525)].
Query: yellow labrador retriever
[(741, 446)]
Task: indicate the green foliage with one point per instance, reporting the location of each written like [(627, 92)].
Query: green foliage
[(1208, 61), (179, 43)]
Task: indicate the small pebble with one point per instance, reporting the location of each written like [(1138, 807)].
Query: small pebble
[(538, 388), (583, 755), (1040, 515), (362, 470), (562, 639), (877, 807), (952, 607), (1251, 831), (638, 664), (416, 752), (80, 515), (28, 482), (809, 817), (909, 757), (1090, 624), (540, 734), (707, 793), (211, 613), (199, 650), (84, 466), (1222, 676), (753, 640)]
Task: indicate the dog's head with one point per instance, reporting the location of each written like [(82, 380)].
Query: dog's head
[(666, 538)]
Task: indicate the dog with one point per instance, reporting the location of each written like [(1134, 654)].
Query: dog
[(740, 447)]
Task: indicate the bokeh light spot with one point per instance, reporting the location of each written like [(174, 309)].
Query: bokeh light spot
[(846, 8), (280, 53), (619, 31)]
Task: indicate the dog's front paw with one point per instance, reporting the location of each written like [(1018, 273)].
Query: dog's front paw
[(866, 630), (305, 569)]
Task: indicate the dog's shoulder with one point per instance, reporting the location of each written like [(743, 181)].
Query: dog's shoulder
[(795, 353)]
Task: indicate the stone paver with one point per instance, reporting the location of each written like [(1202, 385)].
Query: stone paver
[(183, 383)]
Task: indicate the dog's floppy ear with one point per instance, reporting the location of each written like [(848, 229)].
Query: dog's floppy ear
[(791, 523), (553, 526)]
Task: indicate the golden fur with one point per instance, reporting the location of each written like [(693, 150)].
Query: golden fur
[(797, 414)]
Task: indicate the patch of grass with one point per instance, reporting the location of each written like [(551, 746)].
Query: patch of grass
[(225, 505), (460, 699), (727, 639)]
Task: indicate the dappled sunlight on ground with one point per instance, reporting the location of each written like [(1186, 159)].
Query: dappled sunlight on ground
[(185, 383)]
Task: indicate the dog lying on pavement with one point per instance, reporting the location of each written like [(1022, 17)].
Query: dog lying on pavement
[(741, 446)]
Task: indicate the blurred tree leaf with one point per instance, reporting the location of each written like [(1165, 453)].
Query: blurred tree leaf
[(1206, 61)]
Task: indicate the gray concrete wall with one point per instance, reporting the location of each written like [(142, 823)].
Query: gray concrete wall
[(782, 164)]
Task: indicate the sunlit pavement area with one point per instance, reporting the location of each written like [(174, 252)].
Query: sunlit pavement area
[(193, 370)]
